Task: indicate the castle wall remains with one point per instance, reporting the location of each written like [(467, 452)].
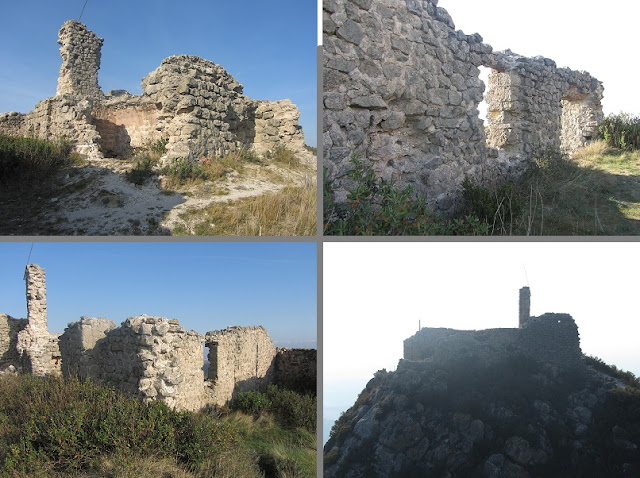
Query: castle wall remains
[(192, 103), (152, 358), (402, 89)]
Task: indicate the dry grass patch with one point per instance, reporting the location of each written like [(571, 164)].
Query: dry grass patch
[(288, 212)]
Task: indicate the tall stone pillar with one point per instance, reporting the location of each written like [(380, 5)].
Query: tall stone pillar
[(38, 349), (36, 297), (525, 306), (80, 51)]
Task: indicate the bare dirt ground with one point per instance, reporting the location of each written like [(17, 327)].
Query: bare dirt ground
[(96, 199)]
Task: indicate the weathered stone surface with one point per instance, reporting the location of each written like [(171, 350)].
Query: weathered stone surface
[(241, 359), (192, 103), (38, 349), (401, 76)]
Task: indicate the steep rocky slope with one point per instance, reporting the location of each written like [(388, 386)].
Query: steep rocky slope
[(511, 416)]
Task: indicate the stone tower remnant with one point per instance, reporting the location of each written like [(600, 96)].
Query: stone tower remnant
[(37, 348), (194, 105), (80, 50), (402, 89), (524, 306)]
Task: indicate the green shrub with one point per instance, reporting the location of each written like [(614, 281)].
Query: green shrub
[(251, 403), (183, 170), (142, 170), (30, 158), (158, 147), (375, 206), (293, 409), (67, 425), (283, 155), (498, 207), (621, 131)]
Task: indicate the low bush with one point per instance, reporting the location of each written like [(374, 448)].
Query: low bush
[(142, 170), (621, 131), (64, 425), (30, 158), (375, 206)]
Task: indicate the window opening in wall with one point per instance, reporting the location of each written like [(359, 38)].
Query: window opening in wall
[(205, 360), (483, 107)]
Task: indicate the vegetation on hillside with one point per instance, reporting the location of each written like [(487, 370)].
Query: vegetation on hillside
[(60, 427)]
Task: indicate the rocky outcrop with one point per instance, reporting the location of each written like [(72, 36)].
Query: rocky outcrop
[(514, 417)]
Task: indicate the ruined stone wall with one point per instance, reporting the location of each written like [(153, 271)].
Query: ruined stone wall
[(402, 89), (152, 358), (548, 338), (78, 350), (276, 124), (38, 349), (124, 122), (12, 124), (192, 103), (296, 369), (535, 107), (9, 329), (552, 338), (80, 52), (241, 359)]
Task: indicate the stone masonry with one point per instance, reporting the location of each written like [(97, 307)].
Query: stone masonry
[(551, 338), (241, 359), (37, 348), (402, 89), (152, 358), (192, 103)]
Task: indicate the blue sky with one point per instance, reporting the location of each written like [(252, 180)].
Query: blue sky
[(206, 285), (269, 47)]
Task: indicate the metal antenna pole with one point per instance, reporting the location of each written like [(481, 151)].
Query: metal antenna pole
[(85, 4), (28, 259), (525, 274)]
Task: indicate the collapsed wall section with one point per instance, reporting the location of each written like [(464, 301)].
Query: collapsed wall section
[(78, 347), (241, 359)]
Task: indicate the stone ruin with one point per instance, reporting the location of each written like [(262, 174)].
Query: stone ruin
[(402, 89), (192, 103), (549, 338), (152, 358)]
